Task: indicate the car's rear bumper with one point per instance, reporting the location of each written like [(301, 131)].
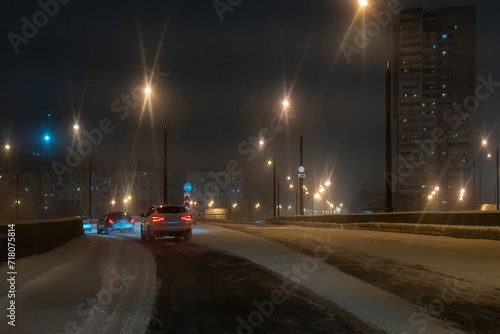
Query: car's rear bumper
[(121, 226), (171, 233)]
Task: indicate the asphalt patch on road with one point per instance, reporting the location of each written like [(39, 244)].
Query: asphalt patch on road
[(208, 291)]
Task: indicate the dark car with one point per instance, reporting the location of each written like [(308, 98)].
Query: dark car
[(115, 221)]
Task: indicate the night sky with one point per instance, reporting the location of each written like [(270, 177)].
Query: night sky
[(225, 80)]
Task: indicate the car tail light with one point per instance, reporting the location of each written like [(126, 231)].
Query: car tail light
[(111, 221), (186, 218), (132, 220), (156, 219)]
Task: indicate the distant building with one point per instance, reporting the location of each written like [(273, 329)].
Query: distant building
[(434, 65), (219, 191), (43, 195)]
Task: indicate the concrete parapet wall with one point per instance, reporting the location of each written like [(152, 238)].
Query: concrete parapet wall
[(38, 236)]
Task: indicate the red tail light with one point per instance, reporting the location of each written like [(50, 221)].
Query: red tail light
[(132, 220), (111, 221), (156, 219), (186, 218)]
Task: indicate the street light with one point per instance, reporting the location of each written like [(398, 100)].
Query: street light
[(272, 162), (497, 168), (286, 104), (17, 201), (317, 196), (388, 99), (148, 92), (76, 127)]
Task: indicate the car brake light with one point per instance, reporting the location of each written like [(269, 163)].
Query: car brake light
[(186, 218), (111, 222), (156, 219)]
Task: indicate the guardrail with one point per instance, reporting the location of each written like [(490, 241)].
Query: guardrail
[(469, 218), (39, 236)]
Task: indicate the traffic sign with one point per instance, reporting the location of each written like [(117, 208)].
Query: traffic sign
[(301, 169), (302, 176), (187, 187)]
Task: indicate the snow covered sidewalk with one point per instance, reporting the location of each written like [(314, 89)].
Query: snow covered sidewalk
[(92, 284), (373, 306)]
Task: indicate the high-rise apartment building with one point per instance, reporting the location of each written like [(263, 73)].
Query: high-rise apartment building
[(434, 62)]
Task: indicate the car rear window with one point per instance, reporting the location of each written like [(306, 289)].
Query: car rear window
[(171, 209), (119, 215)]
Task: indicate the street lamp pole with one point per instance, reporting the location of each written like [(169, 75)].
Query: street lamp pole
[(165, 160), (90, 187), (7, 147), (301, 180), (17, 194), (262, 143), (274, 183), (388, 113), (147, 90), (388, 139), (498, 208), (278, 200), (301, 160)]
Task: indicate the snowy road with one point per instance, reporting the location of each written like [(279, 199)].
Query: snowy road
[(392, 282), (93, 284)]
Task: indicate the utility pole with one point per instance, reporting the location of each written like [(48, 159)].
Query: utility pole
[(90, 188)]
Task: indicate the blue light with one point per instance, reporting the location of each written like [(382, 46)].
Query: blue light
[(47, 138), (49, 115), (45, 207), (444, 36)]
